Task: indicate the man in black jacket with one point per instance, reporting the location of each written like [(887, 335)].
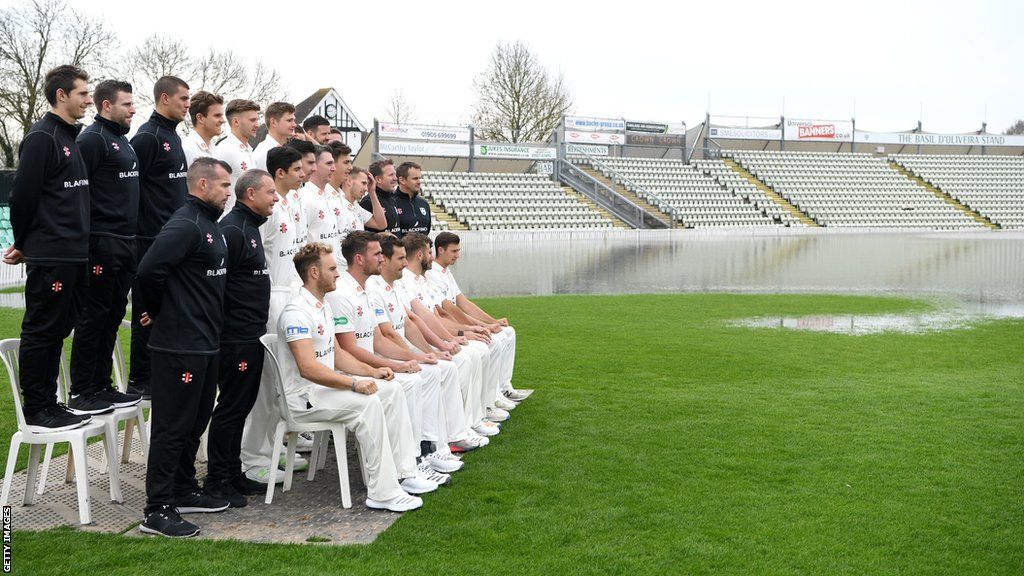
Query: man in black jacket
[(50, 218), (181, 288), (383, 172), (246, 305), (114, 198), (162, 190), (412, 210)]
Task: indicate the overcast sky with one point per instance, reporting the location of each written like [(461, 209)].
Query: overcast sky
[(894, 61)]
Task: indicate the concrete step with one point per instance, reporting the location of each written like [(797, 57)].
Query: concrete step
[(972, 213), (799, 214), (594, 206), (632, 197)]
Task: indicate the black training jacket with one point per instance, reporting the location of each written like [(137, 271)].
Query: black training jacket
[(113, 179), (247, 295), (181, 281), (387, 202), (413, 214), (162, 172), (50, 195)]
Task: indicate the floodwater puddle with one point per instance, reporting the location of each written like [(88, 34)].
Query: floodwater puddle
[(965, 316)]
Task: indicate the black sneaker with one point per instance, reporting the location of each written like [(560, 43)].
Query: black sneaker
[(118, 399), (166, 521), (56, 418), (199, 501), (225, 491), (248, 487), (89, 403), (140, 389)]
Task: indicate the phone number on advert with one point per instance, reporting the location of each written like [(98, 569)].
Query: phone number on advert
[(440, 135)]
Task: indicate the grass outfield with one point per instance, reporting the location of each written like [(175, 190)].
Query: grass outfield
[(662, 442)]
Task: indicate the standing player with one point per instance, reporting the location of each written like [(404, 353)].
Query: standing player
[(280, 118), (317, 129), (246, 304), (383, 173), (50, 218), (412, 210), (374, 410), (322, 224), (206, 111), (181, 283), (464, 310), (114, 199), (354, 216), (243, 118), (162, 190)]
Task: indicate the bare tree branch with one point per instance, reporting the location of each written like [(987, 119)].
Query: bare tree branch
[(517, 100), (1017, 128), (400, 110)]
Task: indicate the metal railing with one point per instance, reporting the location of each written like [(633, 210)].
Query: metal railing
[(637, 189), (606, 197)]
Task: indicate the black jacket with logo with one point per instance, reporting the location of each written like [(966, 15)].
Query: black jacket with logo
[(50, 195), (181, 281), (413, 214), (247, 295), (162, 172), (113, 193), (387, 201)]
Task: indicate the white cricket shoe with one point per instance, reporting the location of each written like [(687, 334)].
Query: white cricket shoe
[(397, 504), (444, 463)]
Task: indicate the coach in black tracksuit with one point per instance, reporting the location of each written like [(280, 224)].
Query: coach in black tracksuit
[(50, 218), (246, 305), (181, 282), (114, 197), (162, 190)]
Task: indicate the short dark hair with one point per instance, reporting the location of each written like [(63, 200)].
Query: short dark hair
[(444, 239), (309, 256), (107, 91), (339, 149), (415, 241), (239, 105), (249, 179), (281, 158), (314, 121), (388, 243), (377, 168), (62, 78), (278, 109), (167, 85), (200, 104), (322, 150), (204, 167), (303, 147), (403, 169), (356, 243), (356, 171)]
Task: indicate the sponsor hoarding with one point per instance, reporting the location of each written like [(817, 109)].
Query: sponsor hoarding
[(419, 132), (745, 133), (666, 140), (514, 151), (650, 127), (818, 130), (402, 148), (588, 149), (584, 124), (579, 137), (938, 139)]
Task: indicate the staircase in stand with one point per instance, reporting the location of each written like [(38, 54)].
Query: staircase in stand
[(974, 214), (594, 206), (799, 214), (629, 195)]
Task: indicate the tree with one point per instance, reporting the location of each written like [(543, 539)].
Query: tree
[(34, 38), (1016, 129), (517, 99), (399, 111)]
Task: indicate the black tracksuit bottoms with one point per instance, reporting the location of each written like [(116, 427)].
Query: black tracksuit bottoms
[(240, 368), (139, 373)]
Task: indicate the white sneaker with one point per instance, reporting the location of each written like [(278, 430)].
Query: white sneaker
[(445, 463), (301, 464), (517, 395), (504, 403), (496, 415), (262, 475), (470, 443), (424, 470), (482, 440), (486, 428), (304, 444), (419, 484), (396, 504)]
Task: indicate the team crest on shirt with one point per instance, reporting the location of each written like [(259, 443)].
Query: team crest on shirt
[(320, 329), (209, 238), (399, 210), (423, 210), (115, 146), (252, 242), (67, 152), (56, 286), (296, 216), (284, 227), (359, 310), (337, 211), (320, 215), (167, 146), (391, 307), (97, 270), (243, 366), (186, 377), (244, 166)]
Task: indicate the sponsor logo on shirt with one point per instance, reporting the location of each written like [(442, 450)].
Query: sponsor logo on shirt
[(340, 321), (294, 330), (364, 335), (217, 272), (131, 174), (423, 210), (176, 175), (325, 353), (75, 183), (378, 311)]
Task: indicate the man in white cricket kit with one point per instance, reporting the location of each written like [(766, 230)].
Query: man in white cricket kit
[(354, 216), (315, 200), (356, 321), (280, 244), (373, 410), (425, 302), (243, 119), (458, 386), (461, 309), (280, 119), (206, 111)]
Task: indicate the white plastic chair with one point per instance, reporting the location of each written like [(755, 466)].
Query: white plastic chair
[(121, 383), (76, 437), (287, 426)]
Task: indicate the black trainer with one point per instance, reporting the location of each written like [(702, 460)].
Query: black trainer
[(248, 487), (199, 501), (55, 418), (165, 521), (118, 399), (89, 404), (225, 491), (140, 389)]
